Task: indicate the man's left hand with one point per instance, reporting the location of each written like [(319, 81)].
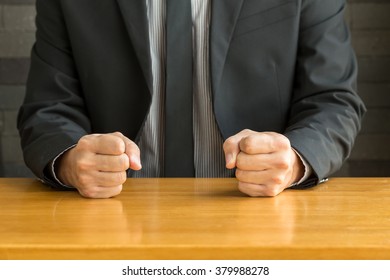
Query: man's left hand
[(265, 162)]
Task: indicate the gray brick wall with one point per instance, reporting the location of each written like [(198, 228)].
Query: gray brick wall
[(370, 25), (369, 21), (17, 34)]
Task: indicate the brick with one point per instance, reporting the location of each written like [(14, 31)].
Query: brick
[(17, 2), (370, 15), (343, 172), (364, 168), (372, 122), (375, 42), (11, 97), (18, 170), (16, 44), (1, 17), (19, 17), (369, 168), (10, 123), (374, 69), (372, 147), (1, 126), (10, 149), (375, 95), (367, 1), (14, 71)]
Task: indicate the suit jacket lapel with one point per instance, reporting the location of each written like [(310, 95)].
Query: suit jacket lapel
[(224, 15), (223, 21), (135, 16)]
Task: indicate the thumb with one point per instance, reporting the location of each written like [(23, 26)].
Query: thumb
[(132, 151), (231, 147)]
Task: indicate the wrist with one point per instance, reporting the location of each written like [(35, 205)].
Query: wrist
[(61, 169), (298, 169)]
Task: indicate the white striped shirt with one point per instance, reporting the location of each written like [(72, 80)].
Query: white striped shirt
[(209, 160)]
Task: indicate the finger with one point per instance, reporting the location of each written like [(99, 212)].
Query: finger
[(111, 163), (132, 151), (100, 192), (255, 190), (102, 179), (110, 179), (107, 144), (270, 178), (231, 147), (277, 160), (264, 142)]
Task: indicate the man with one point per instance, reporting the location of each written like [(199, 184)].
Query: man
[(273, 83)]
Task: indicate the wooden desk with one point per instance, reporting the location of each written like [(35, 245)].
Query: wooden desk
[(196, 219)]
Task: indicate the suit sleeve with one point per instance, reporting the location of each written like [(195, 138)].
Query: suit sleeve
[(53, 116), (326, 111)]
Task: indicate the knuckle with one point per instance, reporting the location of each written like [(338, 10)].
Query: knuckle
[(249, 144), (122, 176), (83, 180), (240, 162), (82, 166), (124, 162), (118, 145), (239, 174), (277, 179), (283, 163), (272, 192), (246, 131), (84, 142), (117, 133), (245, 145), (283, 143)]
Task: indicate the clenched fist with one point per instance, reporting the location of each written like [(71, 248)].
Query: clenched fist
[(97, 165), (265, 162)]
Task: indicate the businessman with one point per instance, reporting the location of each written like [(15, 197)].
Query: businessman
[(263, 90)]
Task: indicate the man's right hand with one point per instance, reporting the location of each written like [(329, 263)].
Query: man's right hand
[(97, 165)]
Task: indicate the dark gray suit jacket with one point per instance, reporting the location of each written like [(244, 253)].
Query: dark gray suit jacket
[(276, 65)]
